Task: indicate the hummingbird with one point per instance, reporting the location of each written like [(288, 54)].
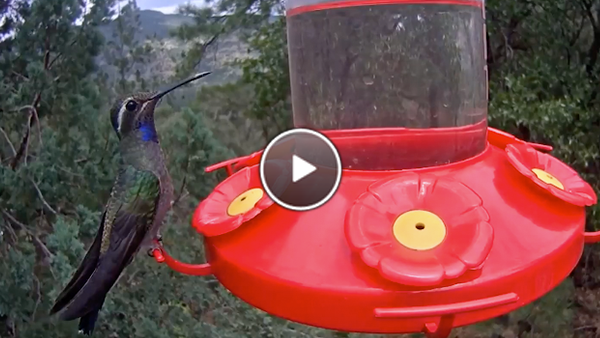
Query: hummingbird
[(140, 198)]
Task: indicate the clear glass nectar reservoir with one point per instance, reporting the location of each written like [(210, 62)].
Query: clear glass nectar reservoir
[(387, 65), (390, 64)]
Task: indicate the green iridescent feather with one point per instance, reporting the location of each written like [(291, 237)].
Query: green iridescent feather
[(135, 194)]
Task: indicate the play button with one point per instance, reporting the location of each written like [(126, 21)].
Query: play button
[(300, 169)]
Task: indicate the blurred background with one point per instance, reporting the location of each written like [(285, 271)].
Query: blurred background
[(62, 63)]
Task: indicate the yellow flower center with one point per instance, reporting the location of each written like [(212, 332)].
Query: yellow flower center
[(548, 178), (419, 230), (244, 202)]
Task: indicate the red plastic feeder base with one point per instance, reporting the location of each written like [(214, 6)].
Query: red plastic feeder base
[(503, 238)]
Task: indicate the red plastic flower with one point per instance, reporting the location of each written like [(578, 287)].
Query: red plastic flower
[(551, 174), (236, 200), (463, 237)]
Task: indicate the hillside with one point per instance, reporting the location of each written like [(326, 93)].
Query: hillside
[(153, 23), (155, 29)]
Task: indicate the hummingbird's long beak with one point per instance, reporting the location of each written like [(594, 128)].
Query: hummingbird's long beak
[(182, 83)]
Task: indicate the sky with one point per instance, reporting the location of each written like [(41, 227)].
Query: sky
[(165, 6)]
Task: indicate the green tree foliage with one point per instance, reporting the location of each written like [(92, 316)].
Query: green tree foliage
[(58, 164), (49, 161), (260, 101), (544, 78), (125, 50), (225, 107), (218, 21), (268, 75), (187, 130), (129, 53)]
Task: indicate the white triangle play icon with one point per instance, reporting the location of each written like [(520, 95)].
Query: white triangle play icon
[(301, 168)]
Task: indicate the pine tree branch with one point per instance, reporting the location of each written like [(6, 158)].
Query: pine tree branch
[(13, 234), (63, 169), (181, 190), (224, 30), (60, 54), (20, 75), (22, 152), (12, 147), (104, 151), (41, 196), (591, 328), (37, 118), (31, 119), (185, 171), (205, 46), (32, 111), (38, 296), (36, 240)]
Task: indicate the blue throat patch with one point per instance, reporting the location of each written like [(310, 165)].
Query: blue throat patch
[(148, 132)]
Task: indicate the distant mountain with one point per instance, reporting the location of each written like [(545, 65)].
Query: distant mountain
[(153, 23), (157, 26)]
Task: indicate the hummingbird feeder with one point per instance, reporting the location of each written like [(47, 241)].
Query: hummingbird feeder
[(439, 221)]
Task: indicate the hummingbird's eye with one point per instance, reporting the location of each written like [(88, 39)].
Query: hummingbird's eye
[(131, 105)]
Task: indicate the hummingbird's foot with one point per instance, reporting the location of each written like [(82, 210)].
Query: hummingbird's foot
[(156, 252)]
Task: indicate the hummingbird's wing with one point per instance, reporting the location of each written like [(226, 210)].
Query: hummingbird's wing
[(84, 271), (127, 218)]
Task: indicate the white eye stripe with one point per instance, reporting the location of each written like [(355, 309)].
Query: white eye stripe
[(122, 113)]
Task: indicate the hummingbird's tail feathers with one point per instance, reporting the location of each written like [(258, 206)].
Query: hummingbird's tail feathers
[(128, 231), (84, 271), (88, 322)]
